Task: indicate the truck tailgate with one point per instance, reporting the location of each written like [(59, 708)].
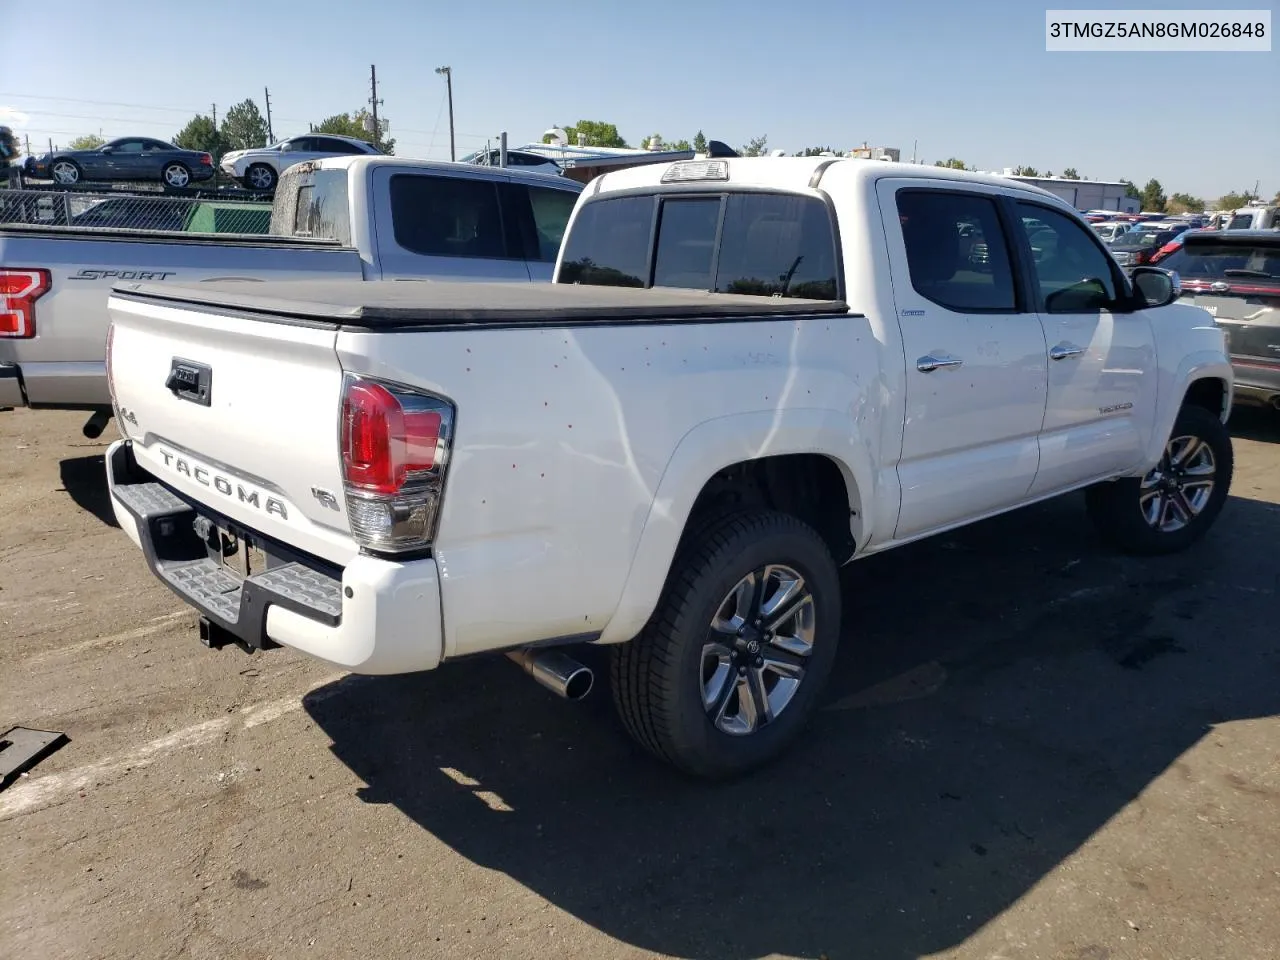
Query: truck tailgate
[(236, 413)]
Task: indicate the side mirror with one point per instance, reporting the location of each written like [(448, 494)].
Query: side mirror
[(1157, 287)]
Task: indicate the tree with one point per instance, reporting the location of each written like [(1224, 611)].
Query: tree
[(353, 125), (1276, 198), (594, 133), (816, 151), (1131, 190), (951, 163), (1070, 173), (1153, 197), (90, 141), (1232, 200), (200, 134), (1025, 172), (1185, 203), (243, 127), (679, 145), (755, 147), (699, 142)]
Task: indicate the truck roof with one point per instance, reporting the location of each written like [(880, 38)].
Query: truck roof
[(398, 304), (788, 172), (362, 161)]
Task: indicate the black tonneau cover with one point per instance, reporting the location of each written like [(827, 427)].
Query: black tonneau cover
[(394, 304)]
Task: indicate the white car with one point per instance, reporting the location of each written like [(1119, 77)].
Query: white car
[(390, 476), (260, 169)]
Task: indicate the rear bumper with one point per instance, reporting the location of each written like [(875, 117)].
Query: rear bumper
[(1256, 382), (373, 616), (11, 394)]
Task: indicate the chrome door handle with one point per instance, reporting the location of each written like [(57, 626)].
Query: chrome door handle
[(927, 363), (1064, 350)]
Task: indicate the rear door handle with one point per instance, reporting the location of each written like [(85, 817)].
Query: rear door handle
[(927, 363), (1064, 350)]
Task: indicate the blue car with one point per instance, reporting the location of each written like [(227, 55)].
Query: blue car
[(129, 158)]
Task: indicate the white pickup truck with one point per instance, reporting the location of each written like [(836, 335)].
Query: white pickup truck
[(863, 354), (367, 218)]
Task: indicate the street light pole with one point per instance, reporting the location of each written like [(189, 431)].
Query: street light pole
[(447, 73)]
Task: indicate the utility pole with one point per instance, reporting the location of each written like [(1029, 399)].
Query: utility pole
[(27, 139), (373, 102), (215, 116), (266, 95), (447, 73)]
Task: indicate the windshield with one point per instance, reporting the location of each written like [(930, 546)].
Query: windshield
[(1225, 261)]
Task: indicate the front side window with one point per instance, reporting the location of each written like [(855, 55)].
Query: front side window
[(956, 250), (127, 146), (1074, 275), (447, 216)]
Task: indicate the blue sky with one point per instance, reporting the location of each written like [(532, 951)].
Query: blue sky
[(970, 80)]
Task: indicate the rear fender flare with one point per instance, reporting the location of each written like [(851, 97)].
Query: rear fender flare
[(705, 450)]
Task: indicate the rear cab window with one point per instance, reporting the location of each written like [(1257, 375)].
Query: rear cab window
[(755, 243)]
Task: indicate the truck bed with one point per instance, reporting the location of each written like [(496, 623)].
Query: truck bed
[(407, 305)]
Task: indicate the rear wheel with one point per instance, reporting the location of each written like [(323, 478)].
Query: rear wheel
[(729, 669), (176, 175), (1179, 499), (65, 171), (260, 177)]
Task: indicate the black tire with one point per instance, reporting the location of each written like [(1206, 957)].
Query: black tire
[(79, 172), (164, 174), (657, 678), (1116, 507), (270, 181)]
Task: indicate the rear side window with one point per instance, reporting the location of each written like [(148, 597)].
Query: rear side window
[(319, 210), (551, 212), (447, 216), (956, 250), (609, 243), (769, 244)]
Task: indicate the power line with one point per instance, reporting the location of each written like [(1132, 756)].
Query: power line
[(98, 103)]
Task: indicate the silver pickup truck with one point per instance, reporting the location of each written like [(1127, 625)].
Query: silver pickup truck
[(375, 218)]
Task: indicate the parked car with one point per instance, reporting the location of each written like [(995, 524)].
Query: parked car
[(1111, 230), (367, 217), (1235, 275), (1255, 217), (129, 158), (747, 373), (260, 169), (1139, 245)]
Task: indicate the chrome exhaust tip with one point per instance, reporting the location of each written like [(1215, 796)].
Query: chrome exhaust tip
[(558, 672)]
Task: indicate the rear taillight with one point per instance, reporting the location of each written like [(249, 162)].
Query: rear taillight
[(19, 290), (206, 160), (395, 448)]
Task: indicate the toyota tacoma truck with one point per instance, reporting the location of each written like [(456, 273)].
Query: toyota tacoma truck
[(748, 373), (367, 218)]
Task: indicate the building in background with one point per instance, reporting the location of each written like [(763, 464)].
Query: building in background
[(891, 154), (1084, 194)]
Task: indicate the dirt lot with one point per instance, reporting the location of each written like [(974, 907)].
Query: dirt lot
[(1031, 748)]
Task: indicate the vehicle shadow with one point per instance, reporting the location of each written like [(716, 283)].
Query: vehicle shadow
[(1000, 695), (1255, 423), (85, 479)]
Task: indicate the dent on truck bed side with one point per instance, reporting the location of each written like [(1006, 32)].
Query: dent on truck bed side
[(707, 449)]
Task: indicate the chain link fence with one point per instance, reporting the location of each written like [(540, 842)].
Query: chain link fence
[(114, 211)]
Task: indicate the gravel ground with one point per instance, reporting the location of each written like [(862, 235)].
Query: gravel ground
[(1030, 748)]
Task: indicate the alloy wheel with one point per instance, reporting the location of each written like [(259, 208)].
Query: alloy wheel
[(1179, 487), (757, 647)]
